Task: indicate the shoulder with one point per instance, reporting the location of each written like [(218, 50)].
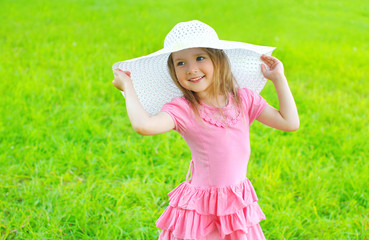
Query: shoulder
[(180, 100), (180, 110), (251, 99), (244, 92), (247, 95), (178, 104)]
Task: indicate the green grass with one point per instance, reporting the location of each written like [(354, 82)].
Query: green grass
[(71, 167)]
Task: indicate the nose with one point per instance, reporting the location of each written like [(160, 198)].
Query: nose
[(192, 68)]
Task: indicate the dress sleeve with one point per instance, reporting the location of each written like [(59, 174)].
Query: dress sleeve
[(180, 111), (254, 103)]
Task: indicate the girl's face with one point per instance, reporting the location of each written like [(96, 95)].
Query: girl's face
[(194, 69)]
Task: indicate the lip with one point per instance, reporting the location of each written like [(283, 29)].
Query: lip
[(196, 79)]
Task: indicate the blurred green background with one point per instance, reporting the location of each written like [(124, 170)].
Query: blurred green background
[(71, 167)]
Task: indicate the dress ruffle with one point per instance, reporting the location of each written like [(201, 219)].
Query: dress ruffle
[(194, 212), (217, 201)]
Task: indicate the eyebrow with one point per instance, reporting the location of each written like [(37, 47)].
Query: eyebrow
[(196, 54), (176, 59)]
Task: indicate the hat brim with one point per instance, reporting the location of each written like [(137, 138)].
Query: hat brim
[(154, 86)]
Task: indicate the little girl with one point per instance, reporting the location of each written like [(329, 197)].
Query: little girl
[(206, 90)]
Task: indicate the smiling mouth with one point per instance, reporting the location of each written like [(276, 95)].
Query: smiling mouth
[(196, 79)]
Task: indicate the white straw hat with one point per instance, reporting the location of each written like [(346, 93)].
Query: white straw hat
[(150, 74)]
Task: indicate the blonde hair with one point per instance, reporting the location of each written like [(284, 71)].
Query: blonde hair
[(223, 83)]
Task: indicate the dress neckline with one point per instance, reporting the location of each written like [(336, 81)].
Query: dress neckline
[(228, 116)]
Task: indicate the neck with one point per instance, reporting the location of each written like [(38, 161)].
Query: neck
[(219, 101)]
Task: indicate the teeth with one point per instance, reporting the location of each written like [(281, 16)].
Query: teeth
[(195, 79)]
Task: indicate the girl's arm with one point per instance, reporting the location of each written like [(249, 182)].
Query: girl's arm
[(287, 118), (142, 122)]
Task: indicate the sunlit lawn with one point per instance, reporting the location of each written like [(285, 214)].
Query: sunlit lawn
[(71, 166)]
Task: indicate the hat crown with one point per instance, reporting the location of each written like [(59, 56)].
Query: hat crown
[(190, 34)]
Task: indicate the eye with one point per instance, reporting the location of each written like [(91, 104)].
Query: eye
[(200, 58), (180, 63)]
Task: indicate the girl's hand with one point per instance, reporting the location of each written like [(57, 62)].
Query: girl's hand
[(275, 70), (121, 77)]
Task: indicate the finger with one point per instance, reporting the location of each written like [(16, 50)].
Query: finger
[(264, 56), (128, 73), (265, 60), (275, 60), (269, 59), (268, 62), (272, 62), (118, 70)]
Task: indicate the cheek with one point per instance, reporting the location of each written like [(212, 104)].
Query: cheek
[(182, 83), (211, 68), (179, 74)]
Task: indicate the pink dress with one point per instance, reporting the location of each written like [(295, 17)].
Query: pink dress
[(218, 196)]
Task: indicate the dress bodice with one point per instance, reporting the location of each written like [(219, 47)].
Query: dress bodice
[(219, 143)]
